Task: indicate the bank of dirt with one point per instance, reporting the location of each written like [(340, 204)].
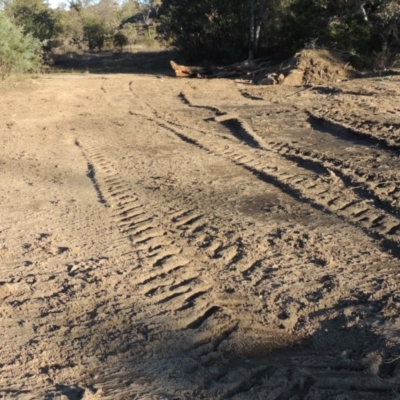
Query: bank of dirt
[(167, 238), (307, 67)]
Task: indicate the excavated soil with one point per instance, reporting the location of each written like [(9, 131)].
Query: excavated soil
[(316, 67), (167, 238), (308, 67)]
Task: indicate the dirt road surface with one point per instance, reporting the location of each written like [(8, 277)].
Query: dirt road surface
[(199, 239)]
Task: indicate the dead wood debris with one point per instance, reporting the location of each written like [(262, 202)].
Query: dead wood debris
[(252, 70), (307, 67)]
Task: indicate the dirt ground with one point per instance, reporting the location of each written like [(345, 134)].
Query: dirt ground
[(167, 238)]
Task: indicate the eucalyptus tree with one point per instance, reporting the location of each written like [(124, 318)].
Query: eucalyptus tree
[(256, 17)]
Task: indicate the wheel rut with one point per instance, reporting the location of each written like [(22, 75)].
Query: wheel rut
[(312, 189), (310, 180), (232, 261), (176, 254), (386, 135)]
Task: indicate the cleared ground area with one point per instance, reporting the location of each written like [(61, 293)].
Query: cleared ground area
[(166, 238)]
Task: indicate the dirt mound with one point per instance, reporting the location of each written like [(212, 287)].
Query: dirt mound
[(311, 67)]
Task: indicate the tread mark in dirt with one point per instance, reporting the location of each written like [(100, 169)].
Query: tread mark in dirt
[(167, 279), (315, 190), (354, 173), (203, 300), (382, 192), (385, 141), (301, 187), (238, 131)]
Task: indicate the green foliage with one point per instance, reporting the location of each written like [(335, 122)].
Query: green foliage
[(219, 28), (149, 39), (87, 24), (120, 40), (130, 32), (212, 28), (35, 18), (336, 24), (71, 27), (223, 30), (106, 11), (365, 29), (95, 33), (127, 9), (19, 53)]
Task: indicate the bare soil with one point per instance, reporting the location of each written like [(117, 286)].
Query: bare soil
[(316, 67), (167, 238)]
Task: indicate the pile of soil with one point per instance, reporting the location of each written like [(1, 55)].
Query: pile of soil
[(311, 67)]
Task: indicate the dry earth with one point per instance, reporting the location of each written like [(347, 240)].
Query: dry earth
[(194, 239)]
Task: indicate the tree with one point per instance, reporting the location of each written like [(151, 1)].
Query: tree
[(95, 33), (35, 18), (107, 12), (127, 9), (146, 7), (120, 40), (71, 25), (130, 32), (217, 29), (19, 52), (386, 24), (257, 11), (365, 28)]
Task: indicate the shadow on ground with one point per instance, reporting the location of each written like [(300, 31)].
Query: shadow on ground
[(144, 62), (337, 362)]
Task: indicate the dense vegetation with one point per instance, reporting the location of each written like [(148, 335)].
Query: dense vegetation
[(19, 52), (368, 29), (223, 30)]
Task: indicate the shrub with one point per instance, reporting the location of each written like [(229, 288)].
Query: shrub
[(95, 33), (120, 40), (212, 28), (37, 19), (19, 53), (130, 32)]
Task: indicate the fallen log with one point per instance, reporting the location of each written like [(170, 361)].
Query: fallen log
[(248, 67), (189, 72)]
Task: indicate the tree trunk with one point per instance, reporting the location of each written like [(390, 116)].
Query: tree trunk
[(252, 36), (259, 22), (363, 12), (255, 25)]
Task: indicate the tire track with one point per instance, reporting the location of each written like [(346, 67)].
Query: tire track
[(381, 187), (376, 182), (320, 191), (203, 276), (175, 255), (384, 134), (216, 319), (309, 188), (172, 278)]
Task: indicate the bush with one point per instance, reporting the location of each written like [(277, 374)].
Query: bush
[(370, 34), (212, 28), (95, 33), (219, 29), (37, 19), (120, 40), (338, 25), (19, 53), (130, 32)]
